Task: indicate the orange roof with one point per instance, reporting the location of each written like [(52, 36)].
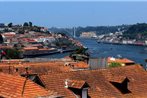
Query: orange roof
[(118, 79), (30, 48), (76, 83), (81, 64), (9, 34), (17, 61), (99, 82), (19, 87), (43, 49), (123, 60), (77, 65), (5, 47), (34, 67)]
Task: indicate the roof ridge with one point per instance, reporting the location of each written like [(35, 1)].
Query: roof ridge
[(99, 70)]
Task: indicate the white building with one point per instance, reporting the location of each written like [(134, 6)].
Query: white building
[(45, 39), (88, 34)]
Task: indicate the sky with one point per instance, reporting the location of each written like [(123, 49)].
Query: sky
[(73, 13)]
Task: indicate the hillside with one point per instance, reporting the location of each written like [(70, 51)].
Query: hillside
[(136, 31), (98, 29)]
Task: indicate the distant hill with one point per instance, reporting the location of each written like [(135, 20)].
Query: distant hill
[(136, 31), (98, 29), (102, 29)]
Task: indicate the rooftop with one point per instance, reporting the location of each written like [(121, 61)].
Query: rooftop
[(19, 87), (119, 60), (17, 67), (102, 83)]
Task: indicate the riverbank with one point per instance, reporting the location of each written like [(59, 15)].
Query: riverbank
[(37, 54), (120, 43)]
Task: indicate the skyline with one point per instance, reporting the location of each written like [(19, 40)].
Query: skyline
[(73, 14)]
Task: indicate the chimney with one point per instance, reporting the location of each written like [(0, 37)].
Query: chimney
[(16, 69), (66, 83), (27, 73), (84, 92)]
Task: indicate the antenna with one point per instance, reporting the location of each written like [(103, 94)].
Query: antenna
[(27, 73)]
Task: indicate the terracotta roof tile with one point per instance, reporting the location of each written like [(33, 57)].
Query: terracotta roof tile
[(81, 65), (34, 68), (75, 83), (99, 82), (30, 48), (123, 60), (19, 87)]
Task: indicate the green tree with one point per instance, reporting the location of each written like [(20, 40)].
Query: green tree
[(114, 64), (12, 53), (25, 24), (10, 24), (136, 31), (30, 24)]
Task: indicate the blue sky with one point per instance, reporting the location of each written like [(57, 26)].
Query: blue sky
[(75, 13)]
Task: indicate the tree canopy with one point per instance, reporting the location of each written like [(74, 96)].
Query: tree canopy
[(25, 24), (114, 64), (30, 24), (10, 24), (136, 31)]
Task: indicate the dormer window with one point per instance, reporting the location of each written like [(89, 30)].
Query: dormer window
[(78, 87), (122, 85)]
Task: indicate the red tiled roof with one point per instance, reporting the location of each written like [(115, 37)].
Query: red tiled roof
[(19, 87), (119, 79), (5, 47), (99, 82), (75, 83), (28, 40), (13, 61), (77, 65), (9, 34), (30, 48), (34, 67), (123, 60), (81, 65)]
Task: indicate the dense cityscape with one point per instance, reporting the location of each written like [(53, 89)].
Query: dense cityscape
[(71, 62)]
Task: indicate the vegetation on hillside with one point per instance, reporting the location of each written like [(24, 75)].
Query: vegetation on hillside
[(12, 54), (137, 31), (98, 29)]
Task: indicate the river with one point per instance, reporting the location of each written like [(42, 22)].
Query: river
[(135, 53)]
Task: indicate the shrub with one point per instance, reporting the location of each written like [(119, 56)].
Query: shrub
[(12, 54), (114, 64)]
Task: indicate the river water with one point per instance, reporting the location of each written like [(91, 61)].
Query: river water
[(135, 53)]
